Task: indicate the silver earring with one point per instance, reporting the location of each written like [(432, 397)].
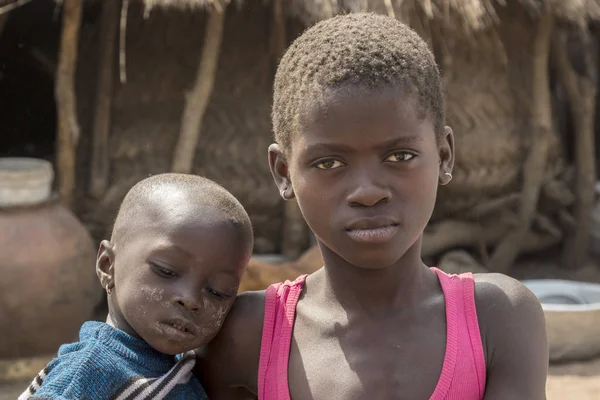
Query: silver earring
[(283, 193), (449, 175)]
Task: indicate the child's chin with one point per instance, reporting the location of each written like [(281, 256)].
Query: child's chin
[(173, 349)]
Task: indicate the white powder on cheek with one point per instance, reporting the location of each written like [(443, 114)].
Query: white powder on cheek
[(214, 319), (220, 314), (210, 307), (154, 294)]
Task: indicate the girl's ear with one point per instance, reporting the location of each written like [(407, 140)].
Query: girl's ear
[(446, 154), (280, 171)]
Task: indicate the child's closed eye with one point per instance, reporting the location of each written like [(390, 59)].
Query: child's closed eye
[(218, 295), (162, 271)]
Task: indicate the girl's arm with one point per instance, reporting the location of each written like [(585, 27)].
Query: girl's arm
[(228, 366), (513, 332)]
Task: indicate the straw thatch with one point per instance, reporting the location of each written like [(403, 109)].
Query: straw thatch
[(186, 4), (474, 15)]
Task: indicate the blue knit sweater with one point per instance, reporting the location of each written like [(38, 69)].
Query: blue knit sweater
[(107, 363)]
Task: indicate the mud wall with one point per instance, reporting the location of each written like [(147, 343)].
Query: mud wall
[(163, 52)]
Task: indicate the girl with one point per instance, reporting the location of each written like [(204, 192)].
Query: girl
[(358, 117)]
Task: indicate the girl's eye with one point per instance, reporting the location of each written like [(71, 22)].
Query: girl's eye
[(329, 164), (400, 156), (163, 272), (218, 295)]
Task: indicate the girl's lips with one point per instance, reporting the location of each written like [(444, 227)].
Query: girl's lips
[(379, 234), (371, 223)]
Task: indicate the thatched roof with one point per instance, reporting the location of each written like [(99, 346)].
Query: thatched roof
[(474, 14), (189, 4)]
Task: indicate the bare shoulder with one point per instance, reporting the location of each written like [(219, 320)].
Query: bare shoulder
[(504, 305), (243, 325), (498, 294), (513, 331), (230, 360)]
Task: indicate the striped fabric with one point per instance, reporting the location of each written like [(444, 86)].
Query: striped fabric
[(35, 384), (108, 364), (138, 388)]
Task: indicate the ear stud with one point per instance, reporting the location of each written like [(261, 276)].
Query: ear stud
[(449, 175)]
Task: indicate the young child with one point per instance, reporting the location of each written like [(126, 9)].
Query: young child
[(358, 117), (171, 269)]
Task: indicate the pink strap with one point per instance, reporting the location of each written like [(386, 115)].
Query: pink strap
[(462, 372), (267, 336), (474, 332), (449, 364), (280, 300), (462, 323)]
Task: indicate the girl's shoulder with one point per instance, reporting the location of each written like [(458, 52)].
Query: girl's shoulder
[(231, 358), (513, 332), (500, 297), (503, 302)]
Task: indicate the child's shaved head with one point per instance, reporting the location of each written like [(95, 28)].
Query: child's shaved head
[(173, 193), (364, 50)]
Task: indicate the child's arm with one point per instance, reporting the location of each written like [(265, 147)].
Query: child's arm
[(83, 374), (514, 338), (228, 366)]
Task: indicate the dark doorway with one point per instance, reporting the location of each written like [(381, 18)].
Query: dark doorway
[(28, 48)]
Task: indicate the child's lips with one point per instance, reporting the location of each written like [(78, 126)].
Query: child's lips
[(178, 329)]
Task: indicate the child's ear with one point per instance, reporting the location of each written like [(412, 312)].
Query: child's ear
[(446, 152), (105, 265), (280, 171)]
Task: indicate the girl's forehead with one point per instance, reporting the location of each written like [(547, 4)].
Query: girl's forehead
[(358, 103), (362, 118)]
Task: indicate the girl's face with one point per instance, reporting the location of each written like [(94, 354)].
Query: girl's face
[(365, 170)]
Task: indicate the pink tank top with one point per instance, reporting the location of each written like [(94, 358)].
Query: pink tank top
[(463, 370)]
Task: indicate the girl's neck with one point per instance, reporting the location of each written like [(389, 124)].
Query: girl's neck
[(377, 292)]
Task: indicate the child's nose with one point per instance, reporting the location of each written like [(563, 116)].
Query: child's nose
[(189, 302)]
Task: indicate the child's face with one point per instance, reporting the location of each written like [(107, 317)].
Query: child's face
[(175, 281), (365, 171)]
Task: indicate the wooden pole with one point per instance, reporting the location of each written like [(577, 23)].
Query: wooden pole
[(68, 126), (295, 232), (278, 33), (581, 94), (533, 173), (389, 7), (12, 6), (3, 21), (197, 100), (104, 95)]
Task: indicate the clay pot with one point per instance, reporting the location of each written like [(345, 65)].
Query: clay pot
[(48, 286)]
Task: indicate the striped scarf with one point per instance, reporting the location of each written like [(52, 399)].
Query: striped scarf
[(139, 388)]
